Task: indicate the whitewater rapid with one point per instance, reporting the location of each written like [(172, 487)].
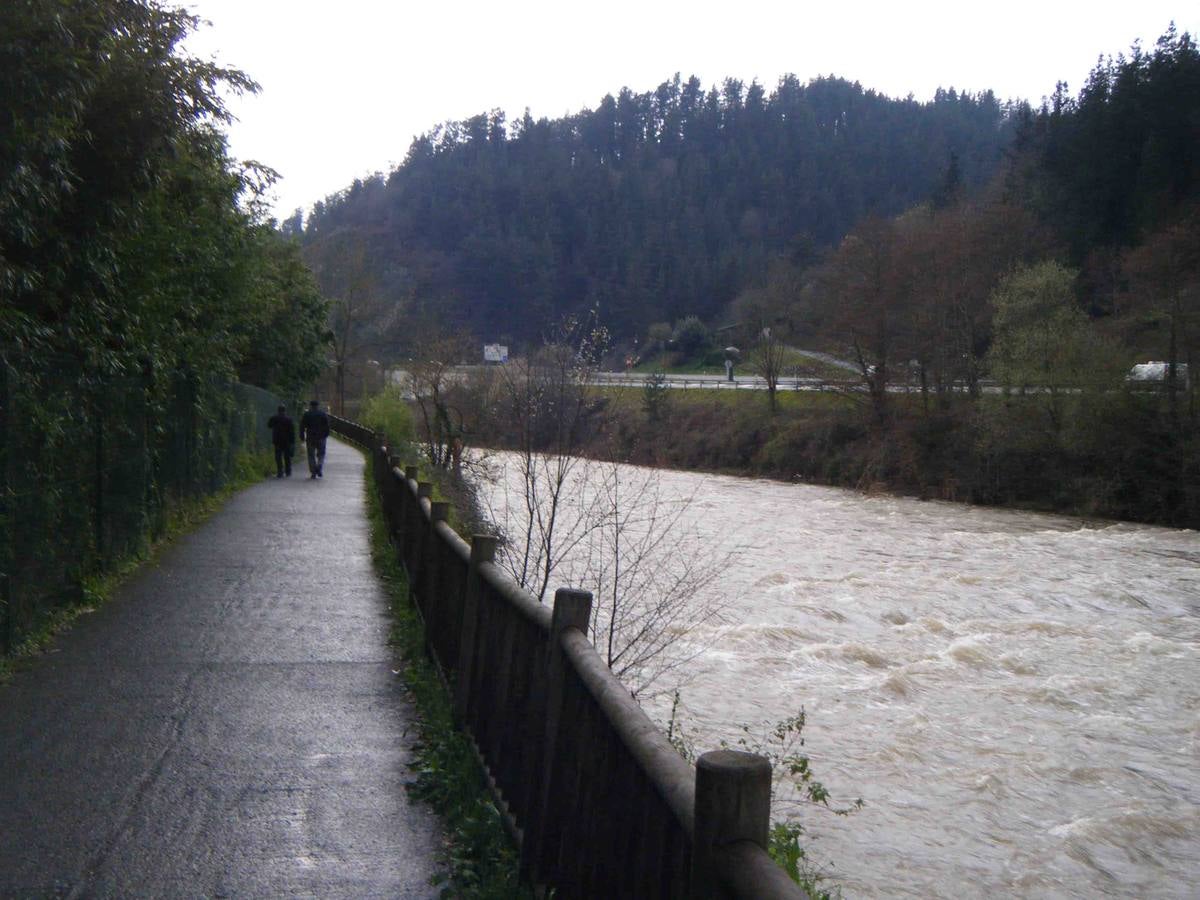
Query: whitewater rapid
[(1014, 696)]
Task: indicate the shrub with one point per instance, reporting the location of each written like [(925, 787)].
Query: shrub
[(691, 336), (389, 412)]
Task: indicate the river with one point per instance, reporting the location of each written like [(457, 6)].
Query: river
[(1014, 696)]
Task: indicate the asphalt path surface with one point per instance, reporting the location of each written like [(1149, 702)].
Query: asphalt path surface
[(228, 726)]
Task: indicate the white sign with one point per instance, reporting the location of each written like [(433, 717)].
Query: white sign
[(495, 353)]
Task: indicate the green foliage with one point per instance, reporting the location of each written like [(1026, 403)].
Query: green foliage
[(656, 397), (677, 735), (389, 412), (657, 336), (285, 348), (138, 278), (129, 239), (1119, 160), (1042, 339), (654, 204), (782, 743), (789, 854), (1045, 345), (691, 337)]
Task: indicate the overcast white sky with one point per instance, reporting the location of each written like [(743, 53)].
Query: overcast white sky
[(347, 84)]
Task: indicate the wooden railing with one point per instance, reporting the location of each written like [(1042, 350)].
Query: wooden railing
[(599, 802)]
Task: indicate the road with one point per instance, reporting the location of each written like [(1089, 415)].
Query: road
[(229, 725), (718, 382), (851, 383)]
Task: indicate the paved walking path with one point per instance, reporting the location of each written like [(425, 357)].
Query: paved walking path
[(228, 726)]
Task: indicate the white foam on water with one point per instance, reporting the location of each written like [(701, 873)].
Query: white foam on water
[(1015, 696)]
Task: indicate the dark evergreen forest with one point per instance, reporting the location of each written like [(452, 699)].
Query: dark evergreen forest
[(991, 271), (651, 207)]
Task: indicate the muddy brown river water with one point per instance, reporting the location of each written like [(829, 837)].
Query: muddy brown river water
[(1015, 696)]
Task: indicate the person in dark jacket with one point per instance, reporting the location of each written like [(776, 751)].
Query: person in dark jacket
[(314, 429), (283, 437)]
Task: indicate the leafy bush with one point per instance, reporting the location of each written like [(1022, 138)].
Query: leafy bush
[(691, 336), (388, 412), (656, 397)]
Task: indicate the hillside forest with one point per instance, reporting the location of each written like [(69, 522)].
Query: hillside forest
[(1007, 264)]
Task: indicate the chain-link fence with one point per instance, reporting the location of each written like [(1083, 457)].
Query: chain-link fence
[(90, 466)]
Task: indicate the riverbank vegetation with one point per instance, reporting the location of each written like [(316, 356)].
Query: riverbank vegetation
[(1101, 453)]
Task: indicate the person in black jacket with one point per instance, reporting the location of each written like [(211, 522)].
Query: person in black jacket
[(314, 429), (283, 437)]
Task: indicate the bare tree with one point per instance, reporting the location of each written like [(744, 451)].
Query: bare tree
[(549, 404), (436, 385), (959, 254), (339, 263), (767, 319), (595, 525), (648, 571), (614, 530), (866, 292), (1165, 289)]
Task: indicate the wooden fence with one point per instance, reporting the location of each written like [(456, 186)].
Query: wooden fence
[(599, 802)]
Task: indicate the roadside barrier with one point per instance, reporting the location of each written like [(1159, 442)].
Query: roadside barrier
[(596, 798)]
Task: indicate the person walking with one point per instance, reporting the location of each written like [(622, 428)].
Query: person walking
[(283, 438), (314, 429)]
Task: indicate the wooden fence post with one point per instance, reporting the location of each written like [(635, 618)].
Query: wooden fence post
[(483, 549), (407, 518), (733, 803), (419, 554), (435, 605), (392, 499), (572, 609)]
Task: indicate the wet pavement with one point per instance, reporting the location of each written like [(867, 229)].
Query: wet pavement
[(229, 725)]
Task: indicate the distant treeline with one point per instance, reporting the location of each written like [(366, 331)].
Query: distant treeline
[(652, 206)]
